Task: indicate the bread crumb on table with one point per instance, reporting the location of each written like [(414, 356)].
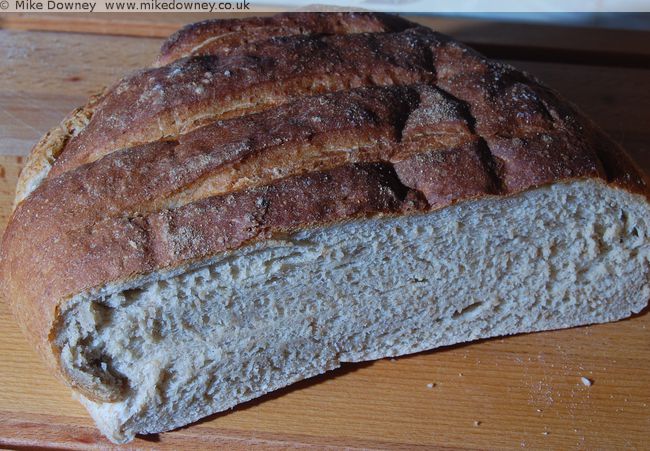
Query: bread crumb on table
[(586, 381), (431, 385)]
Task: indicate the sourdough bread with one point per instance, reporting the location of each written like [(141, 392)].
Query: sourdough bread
[(278, 196)]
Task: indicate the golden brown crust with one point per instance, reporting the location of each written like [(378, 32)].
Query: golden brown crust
[(121, 203), (222, 36), (164, 102), (50, 146), (312, 133)]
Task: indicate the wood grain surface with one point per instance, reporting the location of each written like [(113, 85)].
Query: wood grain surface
[(518, 392)]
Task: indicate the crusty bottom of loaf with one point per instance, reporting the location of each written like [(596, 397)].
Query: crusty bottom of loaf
[(242, 325)]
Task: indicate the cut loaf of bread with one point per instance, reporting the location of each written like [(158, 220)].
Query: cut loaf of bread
[(281, 195)]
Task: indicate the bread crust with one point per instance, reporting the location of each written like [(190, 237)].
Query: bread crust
[(123, 205), (222, 36), (162, 103), (50, 146)]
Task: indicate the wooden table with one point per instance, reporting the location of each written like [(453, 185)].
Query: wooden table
[(519, 392)]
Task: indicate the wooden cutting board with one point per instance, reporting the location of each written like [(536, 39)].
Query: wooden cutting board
[(518, 392)]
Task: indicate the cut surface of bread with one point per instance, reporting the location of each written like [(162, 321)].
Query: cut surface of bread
[(278, 196), (246, 323)]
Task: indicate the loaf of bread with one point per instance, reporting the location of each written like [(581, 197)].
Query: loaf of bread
[(276, 196)]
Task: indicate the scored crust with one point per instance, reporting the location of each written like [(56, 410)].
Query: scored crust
[(223, 36), (164, 102), (120, 202), (47, 150)]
